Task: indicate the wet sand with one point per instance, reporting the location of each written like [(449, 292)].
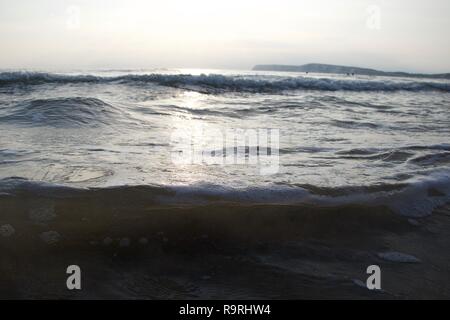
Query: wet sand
[(128, 249)]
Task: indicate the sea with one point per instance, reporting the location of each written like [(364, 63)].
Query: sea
[(193, 159)]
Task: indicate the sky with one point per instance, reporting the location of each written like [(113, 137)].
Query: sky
[(404, 35)]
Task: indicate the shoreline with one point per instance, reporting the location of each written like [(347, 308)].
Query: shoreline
[(144, 251)]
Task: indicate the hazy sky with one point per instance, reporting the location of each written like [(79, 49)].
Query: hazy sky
[(411, 35)]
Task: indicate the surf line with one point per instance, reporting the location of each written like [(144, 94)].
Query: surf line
[(191, 310)]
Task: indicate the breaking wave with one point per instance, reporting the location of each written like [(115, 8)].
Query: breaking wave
[(417, 198), (218, 83)]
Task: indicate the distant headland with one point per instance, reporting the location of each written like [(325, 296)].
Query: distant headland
[(329, 68)]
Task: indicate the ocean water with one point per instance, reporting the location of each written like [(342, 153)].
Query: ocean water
[(340, 139), (223, 184)]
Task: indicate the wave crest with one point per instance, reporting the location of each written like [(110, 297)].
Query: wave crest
[(213, 83), (412, 199)]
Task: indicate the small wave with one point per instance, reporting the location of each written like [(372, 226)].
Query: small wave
[(61, 112), (213, 83), (392, 155), (432, 159), (202, 112), (223, 215), (25, 77), (442, 146), (347, 124), (386, 151), (358, 152), (416, 198), (309, 150), (19, 186)]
